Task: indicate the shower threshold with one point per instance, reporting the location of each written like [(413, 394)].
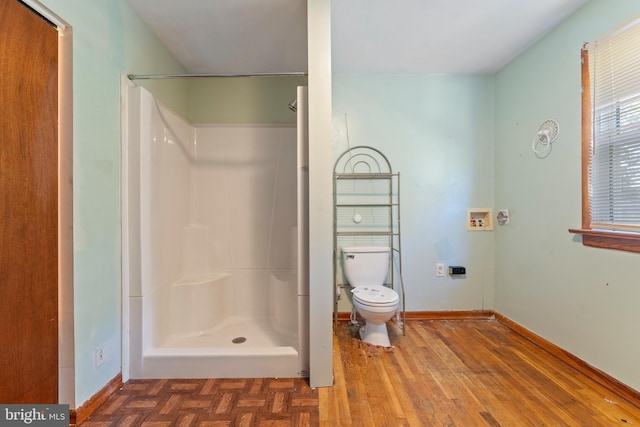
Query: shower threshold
[(256, 333)]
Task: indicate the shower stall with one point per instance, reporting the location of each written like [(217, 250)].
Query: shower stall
[(214, 245)]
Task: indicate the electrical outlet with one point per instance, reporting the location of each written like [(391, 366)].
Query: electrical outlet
[(100, 356), (439, 270)]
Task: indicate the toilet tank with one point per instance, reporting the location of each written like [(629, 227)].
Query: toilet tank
[(365, 265)]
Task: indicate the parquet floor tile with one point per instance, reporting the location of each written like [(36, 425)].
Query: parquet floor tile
[(259, 402)]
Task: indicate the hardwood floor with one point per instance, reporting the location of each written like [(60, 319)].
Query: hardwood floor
[(461, 373), (442, 373)]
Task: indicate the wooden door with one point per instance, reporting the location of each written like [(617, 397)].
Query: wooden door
[(28, 206)]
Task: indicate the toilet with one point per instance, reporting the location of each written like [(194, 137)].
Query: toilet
[(366, 269)]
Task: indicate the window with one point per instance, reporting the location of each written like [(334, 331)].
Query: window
[(611, 140)]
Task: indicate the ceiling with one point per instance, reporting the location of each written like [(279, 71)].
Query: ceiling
[(368, 36)]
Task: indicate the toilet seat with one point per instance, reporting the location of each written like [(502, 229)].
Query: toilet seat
[(375, 296)]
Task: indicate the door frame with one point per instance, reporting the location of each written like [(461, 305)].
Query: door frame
[(66, 347)]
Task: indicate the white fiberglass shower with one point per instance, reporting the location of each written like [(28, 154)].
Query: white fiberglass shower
[(214, 243)]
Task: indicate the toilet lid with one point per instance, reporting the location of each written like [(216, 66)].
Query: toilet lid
[(375, 295)]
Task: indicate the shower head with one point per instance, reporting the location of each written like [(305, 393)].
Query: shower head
[(293, 105)]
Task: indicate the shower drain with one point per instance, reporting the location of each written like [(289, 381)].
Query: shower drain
[(238, 340)]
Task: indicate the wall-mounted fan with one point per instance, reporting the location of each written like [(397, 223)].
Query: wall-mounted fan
[(547, 133)]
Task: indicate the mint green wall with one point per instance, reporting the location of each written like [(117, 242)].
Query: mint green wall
[(582, 299), (108, 40), (438, 133), (243, 100), (172, 93)]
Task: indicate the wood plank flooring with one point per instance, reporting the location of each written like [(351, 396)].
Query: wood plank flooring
[(442, 373), (461, 373)]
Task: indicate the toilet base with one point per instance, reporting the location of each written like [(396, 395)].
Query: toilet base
[(375, 334)]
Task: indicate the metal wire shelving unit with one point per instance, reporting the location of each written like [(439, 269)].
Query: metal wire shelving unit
[(366, 211)]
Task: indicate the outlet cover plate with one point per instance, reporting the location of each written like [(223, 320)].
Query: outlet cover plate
[(100, 356)]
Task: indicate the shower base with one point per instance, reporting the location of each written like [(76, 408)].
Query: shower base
[(214, 354), (256, 333)]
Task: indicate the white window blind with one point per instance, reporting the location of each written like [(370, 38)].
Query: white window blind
[(614, 169)]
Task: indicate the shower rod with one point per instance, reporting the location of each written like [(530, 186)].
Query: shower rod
[(185, 76)]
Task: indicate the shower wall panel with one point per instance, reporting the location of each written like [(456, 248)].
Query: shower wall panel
[(245, 194), (165, 173), (245, 186), (166, 157)]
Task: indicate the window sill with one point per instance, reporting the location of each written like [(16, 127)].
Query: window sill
[(621, 241)]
